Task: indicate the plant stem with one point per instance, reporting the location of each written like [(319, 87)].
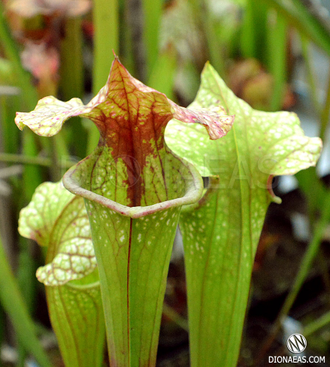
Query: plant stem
[(325, 112), (8, 107), (174, 316), (152, 11), (39, 161), (248, 42), (277, 40), (317, 324), (163, 72), (310, 74), (106, 40), (72, 81), (105, 17)]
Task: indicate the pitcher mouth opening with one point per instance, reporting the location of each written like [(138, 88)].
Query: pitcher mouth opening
[(77, 181)]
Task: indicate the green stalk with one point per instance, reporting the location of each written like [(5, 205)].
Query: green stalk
[(277, 41), (316, 325), (15, 307), (163, 72), (105, 18), (72, 74), (174, 316), (254, 30), (310, 73), (32, 174), (152, 11), (308, 179), (8, 107), (58, 153), (248, 43), (72, 79), (325, 113), (106, 40), (38, 161), (71, 85)]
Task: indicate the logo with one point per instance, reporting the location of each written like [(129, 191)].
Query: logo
[(296, 343)]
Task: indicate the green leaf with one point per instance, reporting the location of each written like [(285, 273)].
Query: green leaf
[(58, 219), (38, 218), (74, 261), (221, 235), (133, 256), (76, 314), (134, 187)]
